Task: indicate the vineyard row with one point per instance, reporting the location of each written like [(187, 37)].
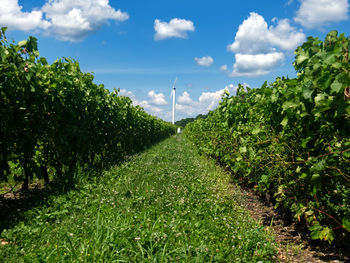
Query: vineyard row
[(53, 117), (290, 139)]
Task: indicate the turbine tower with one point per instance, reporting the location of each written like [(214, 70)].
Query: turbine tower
[(173, 93)]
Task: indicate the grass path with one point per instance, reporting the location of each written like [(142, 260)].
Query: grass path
[(165, 205)]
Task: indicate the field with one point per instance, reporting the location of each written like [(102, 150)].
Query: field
[(166, 204)]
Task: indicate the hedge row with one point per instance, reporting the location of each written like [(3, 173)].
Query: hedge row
[(291, 139), (53, 117)]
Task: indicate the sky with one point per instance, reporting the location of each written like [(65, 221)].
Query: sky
[(140, 47)]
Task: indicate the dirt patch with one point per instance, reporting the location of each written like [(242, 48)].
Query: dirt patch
[(293, 241), (14, 201)]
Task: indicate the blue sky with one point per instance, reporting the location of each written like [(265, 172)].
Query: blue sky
[(141, 46)]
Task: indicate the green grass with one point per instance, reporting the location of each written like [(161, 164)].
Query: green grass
[(167, 204)]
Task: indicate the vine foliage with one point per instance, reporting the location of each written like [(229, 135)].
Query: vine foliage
[(291, 138), (53, 117)]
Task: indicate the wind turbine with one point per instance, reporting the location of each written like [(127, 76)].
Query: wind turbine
[(173, 93)]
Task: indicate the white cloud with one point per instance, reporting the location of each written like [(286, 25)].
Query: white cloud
[(175, 28), (157, 99), (285, 36), (11, 15), (223, 68), (185, 98), (65, 19), (204, 61), (255, 65), (255, 37), (124, 92), (146, 105), (251, 36), (149, 108), (317, 13), (258, 47), (211, 99), (186, 107), (74, 20)]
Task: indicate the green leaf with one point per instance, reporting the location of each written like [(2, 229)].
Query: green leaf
[(32, 44), (3, 30), (336, 87), (327, 82), (22, 43), (28, 76), (327, 234), (301, 58), (347, 109), (3, 53), (309, 213), (346, 224), (305, 141), (320, 97), (264, 179), (243, 149), (320, 110), (307, 93), (318, 166), (303, 176), (330, 59), (284, 122), (315, 177), (332, 36), (43, 61), (256, 131), (316, 231), (290, 104), (336, 65)]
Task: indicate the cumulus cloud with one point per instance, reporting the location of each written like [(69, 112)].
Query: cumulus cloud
[(258, 47), (205, 61), (149, 108), (126, 93), (210, 100), (187, 107), (64, 19), (185, 98), (146, 105), (251, 36), (254, 36), (11, 15), (175, 28), (285, 36), (255, 65), (318, 13), (157, 99), (74, 20)]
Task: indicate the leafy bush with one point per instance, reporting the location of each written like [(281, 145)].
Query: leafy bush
[(55, 117), (291, 138)]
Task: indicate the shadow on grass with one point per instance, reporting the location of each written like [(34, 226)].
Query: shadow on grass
[(13, 205)]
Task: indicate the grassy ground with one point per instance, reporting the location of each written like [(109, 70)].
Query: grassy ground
[(165, 205)]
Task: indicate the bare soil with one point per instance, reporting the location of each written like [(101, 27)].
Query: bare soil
[(294, 244)]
